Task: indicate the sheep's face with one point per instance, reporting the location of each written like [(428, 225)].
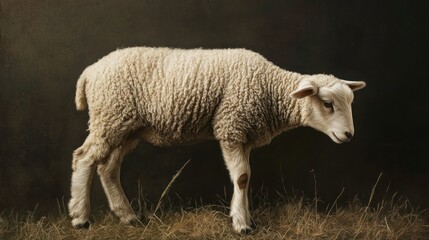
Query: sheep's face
[(329, 105)]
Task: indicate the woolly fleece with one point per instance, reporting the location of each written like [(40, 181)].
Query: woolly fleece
[(175, 96)]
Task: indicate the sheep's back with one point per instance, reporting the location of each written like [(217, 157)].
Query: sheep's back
[(176, 92)]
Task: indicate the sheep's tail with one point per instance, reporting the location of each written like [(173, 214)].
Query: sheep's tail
[(80, 97)]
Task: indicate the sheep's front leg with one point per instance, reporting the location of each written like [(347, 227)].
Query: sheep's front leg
[(237, 161)]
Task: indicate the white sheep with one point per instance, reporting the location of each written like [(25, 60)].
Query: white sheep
[(174, 96)]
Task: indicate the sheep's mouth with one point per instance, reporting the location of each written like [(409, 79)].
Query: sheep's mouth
[(337, 138)]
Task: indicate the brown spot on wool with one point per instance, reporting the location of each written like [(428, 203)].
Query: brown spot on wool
[(242, 180)]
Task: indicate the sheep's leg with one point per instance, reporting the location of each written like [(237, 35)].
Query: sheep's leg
[(84, 160), (237, 162), (110, 179)]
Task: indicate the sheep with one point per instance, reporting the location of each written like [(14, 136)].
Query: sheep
[(174, 96)]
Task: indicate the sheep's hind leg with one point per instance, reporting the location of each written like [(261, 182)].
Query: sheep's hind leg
[(237, 161), (109, 173), (84, 160)]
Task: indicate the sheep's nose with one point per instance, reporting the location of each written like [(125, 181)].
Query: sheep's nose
[(349, 135)]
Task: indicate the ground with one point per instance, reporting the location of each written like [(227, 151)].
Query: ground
[(286, 218)]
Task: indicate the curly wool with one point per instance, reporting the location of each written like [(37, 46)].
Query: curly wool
[(175, 96)]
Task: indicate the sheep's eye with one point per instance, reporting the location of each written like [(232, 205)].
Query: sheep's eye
[(327, 104)]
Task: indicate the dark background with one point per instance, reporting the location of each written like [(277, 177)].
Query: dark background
[(46, 44)]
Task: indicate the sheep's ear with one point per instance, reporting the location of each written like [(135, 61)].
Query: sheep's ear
[(304, 89), (355, 85)]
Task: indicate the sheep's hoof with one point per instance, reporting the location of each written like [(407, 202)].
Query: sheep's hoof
[(84, 225), (246, 231)]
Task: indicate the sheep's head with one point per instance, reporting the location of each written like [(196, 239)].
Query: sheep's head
[(329, 105)]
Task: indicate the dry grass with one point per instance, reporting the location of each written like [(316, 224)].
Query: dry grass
[(285, 218)]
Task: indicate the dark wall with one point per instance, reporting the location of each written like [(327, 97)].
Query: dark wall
[(46, 44)]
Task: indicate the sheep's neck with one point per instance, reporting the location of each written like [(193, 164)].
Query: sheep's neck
[(291, 112)]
